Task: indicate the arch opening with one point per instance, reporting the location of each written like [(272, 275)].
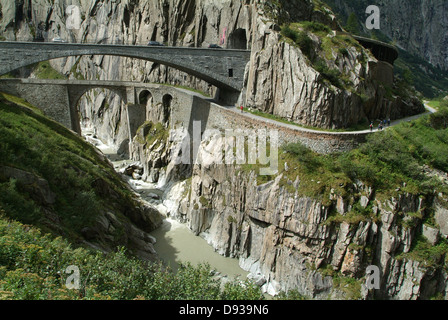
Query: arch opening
[(100, 113), (167, 101), (144, 97)]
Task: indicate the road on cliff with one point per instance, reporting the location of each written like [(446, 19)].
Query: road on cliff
[(429, 110), (297, 127)]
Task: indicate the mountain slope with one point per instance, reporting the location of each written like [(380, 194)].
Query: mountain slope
[(50, 177)]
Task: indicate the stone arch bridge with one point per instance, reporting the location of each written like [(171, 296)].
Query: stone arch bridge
[(220, 67), (223, 68), (58, 99)]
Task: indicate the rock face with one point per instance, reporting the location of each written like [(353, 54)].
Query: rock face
[(126, 226), (282, 81), (417, 26), (288, 241)]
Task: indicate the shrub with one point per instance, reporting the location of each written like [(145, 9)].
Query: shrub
[(303, 154), (314, 26), (300, 38), (32, 267), (332, 75), (439, 120)]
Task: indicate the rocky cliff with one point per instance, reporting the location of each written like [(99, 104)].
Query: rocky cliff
[(416, 26), (66, 187), (320, 246)]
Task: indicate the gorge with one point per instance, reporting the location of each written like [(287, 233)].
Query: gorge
[(336, 204)]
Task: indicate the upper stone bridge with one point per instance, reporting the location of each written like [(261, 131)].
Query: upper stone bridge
[(222, 68)]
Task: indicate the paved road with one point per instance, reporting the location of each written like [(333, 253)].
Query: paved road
[(429, 110)]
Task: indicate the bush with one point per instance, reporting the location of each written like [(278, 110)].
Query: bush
[(303, 154), (439, 120), (32, 266), (305, 43), (287, 32), (314, 26), (332, 75), (300, 38)]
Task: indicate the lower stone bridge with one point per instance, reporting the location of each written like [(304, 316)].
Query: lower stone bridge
[(59, 100)]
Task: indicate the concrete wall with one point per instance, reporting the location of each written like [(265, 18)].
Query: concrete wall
[(383, 72)]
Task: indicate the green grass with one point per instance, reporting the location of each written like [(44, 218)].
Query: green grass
[(73, 168), (44, 70), (150, 132), (33, 264), (20, 102), (349, 286), (434, 103)]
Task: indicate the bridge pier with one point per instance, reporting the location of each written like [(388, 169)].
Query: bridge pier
[(136, 117)]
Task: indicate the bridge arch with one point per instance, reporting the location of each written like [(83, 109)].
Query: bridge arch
[(144, 96), (209, 65), (167, 101), (76, 94)]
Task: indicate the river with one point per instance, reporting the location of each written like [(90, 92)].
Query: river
[(175, 241)]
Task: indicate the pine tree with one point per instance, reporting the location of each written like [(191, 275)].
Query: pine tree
[(352, 25)]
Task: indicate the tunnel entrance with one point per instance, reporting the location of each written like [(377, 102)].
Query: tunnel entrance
[(238, 39)]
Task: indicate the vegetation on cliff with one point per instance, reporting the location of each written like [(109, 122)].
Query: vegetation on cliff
[(76, 175), (33, 264), (410, 67), (390, 161), (52, 184)]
